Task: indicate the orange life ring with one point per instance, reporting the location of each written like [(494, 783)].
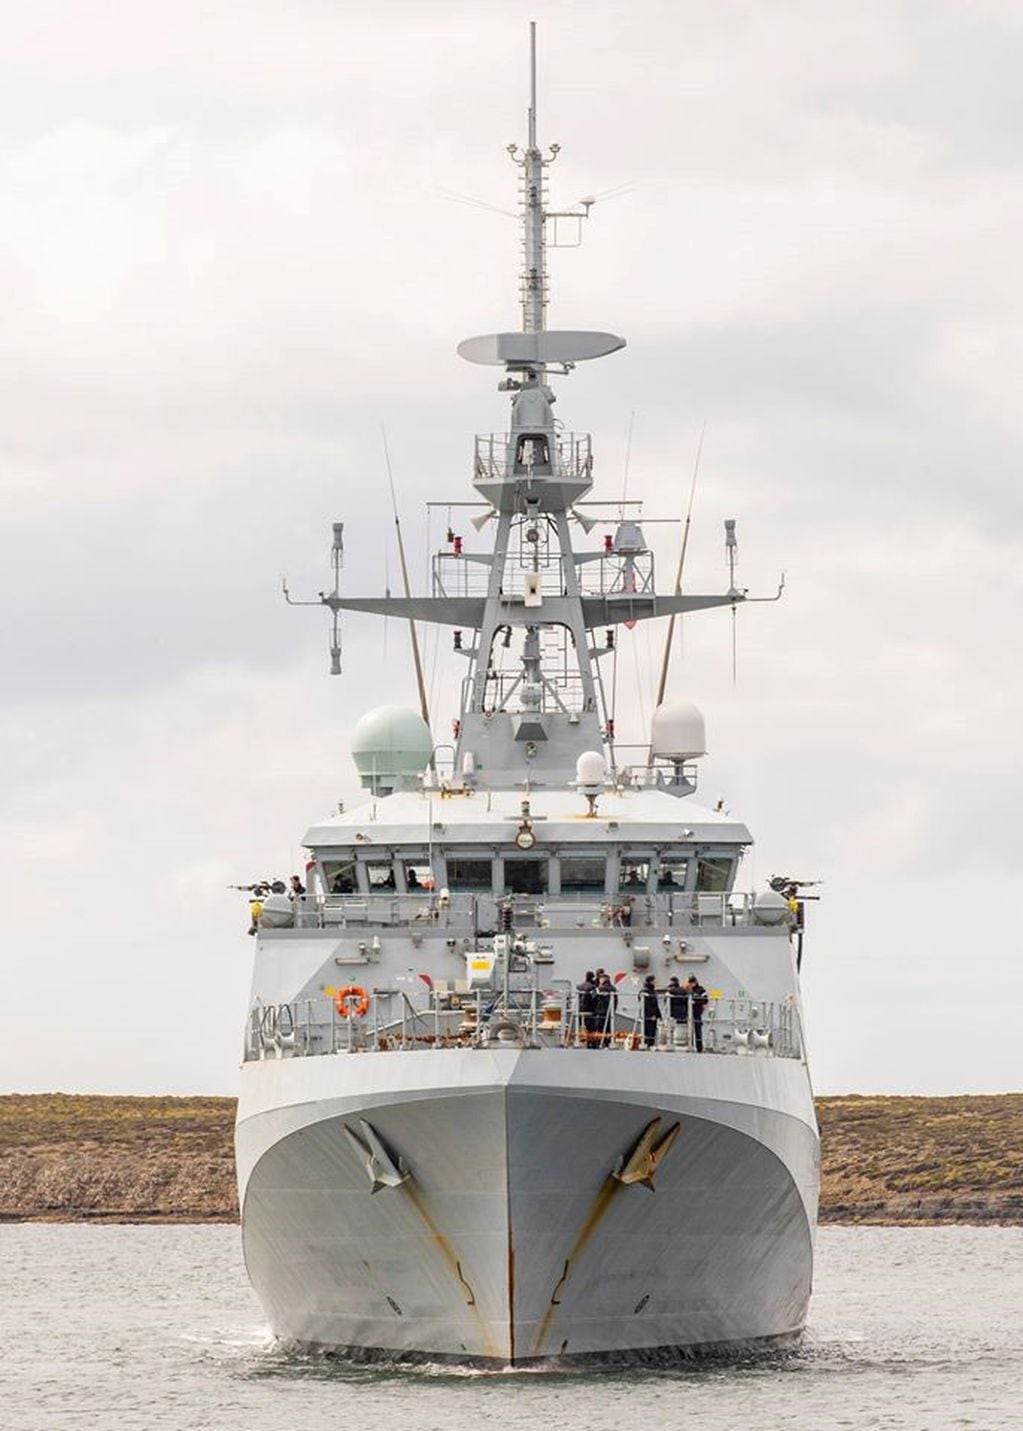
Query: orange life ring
[(352, 1010)]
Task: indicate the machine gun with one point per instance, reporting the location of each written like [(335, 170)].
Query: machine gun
[(793, 889)]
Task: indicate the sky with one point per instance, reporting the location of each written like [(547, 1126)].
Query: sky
[(229, 257)]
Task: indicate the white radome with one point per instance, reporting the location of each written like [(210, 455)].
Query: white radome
[(391, 745), (678, 732), (590, 770)]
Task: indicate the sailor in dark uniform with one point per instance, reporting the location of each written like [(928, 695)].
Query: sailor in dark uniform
[(605, 1003), (587, 992), (651, 1009), (678, 1001), (698, 999)]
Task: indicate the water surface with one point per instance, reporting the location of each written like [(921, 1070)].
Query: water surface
[(155, 1327)]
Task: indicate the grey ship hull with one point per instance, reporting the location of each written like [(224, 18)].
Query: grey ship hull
[(511, 1242)]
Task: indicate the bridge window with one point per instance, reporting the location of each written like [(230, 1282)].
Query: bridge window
[(582, 874), (671, 872), (525, 876), (713, 876), (380, 877), (339, 876), (463, 874), (634, 873)]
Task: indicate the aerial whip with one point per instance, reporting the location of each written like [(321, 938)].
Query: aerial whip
[(678, 575), (424, 708)]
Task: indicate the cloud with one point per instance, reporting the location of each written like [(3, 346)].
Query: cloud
[(227, 262)]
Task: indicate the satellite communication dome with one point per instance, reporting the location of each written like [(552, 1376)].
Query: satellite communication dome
[(589, 770), (677, 732), (391, 746)]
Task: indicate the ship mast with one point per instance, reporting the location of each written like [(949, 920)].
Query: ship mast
[(528, 725), (534, 247)]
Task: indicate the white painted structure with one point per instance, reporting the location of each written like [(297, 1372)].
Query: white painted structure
[(449, 1146)]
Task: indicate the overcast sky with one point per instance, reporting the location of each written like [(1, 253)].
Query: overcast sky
[(226, 258)]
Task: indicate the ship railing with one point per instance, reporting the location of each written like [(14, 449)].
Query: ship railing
[(409, 910), (563, 691), (633, 908), (495, 453), (613, 573), (661, 775), (403, 1019), (637, 909), (463, 575), (458, 576), (730, 908)]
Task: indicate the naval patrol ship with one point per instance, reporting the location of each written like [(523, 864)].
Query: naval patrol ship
[(449, 1147)]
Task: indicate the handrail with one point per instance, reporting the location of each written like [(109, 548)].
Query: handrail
[(571, 457), (459, 909), (539, 1018)]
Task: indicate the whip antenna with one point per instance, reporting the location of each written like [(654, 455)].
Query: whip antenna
[(662, 683), (625, 468), (423, 706)]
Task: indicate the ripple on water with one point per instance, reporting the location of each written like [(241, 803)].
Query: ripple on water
[(154, 1328)]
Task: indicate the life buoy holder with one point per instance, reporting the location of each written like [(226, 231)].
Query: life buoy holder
[(352, 1002)]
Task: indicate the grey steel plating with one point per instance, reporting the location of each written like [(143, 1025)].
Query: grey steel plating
[(448, 1146)]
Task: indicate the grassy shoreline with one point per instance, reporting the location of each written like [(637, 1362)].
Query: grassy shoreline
[(898, 1161)]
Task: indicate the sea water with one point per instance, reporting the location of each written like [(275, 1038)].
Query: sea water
[(155, 1327)]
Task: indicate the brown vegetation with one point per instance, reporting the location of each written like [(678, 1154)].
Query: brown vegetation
[(72, 1158), (885, 1160), (921, 1160)]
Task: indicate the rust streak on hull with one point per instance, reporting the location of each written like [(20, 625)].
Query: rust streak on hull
[(448, 1253), (601, 1203)]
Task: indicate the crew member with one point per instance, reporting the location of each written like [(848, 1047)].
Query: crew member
[(587, 992), (605, 1004), (678, 1001), (698, 1002), (650, 1005), (623, 912)]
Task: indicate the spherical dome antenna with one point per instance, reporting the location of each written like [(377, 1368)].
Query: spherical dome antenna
[(590, 771), (391, 747), (678, 732)]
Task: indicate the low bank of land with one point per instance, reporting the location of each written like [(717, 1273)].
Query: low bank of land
[(67, 1158), (922, 1160)]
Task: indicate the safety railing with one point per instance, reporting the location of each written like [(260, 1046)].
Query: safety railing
[(616, 573), (389, 1020), (495, 455), (656, 775), (456, 575), (385, 908), (463, 575), (562, 691), (634, 906)]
